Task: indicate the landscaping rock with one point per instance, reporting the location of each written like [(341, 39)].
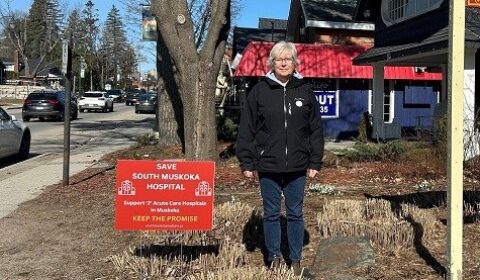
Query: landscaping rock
[(340, 253)]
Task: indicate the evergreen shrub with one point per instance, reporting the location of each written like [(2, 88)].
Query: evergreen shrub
[(440, 137)]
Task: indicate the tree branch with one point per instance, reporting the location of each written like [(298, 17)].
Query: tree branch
[(201, 30), (166, 13), (217, 30)]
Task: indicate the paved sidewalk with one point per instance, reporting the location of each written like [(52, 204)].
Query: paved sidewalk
[(27, 179)]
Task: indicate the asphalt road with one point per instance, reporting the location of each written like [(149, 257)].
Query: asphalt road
[(90, 129)]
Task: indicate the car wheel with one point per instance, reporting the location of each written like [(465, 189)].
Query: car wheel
[(24, 150), (75, 115), (137, 112), (82, 110), (41, 119), (111, 108), (105, 109), (61, 117), (25, 118)]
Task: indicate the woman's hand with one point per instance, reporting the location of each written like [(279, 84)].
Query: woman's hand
[(248, 173), (312, 173)]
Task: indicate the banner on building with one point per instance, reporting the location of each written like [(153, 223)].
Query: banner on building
[(149, 25), (329, 103), (164, 195), (473, 3)]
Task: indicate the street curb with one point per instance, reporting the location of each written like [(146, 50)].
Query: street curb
[(39, 157), (13, 107)]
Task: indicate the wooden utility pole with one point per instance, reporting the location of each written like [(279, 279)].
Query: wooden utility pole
[(456, 62)]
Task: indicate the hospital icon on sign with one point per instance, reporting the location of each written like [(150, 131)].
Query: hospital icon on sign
[(126, 188), (203, 189)]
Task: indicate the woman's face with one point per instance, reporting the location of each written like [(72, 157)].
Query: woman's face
[(283, 65)]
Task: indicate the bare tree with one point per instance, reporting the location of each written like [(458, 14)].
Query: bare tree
[(197, 66), (15, 25), (171, 114)]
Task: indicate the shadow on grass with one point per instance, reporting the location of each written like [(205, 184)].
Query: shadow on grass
[(431, 199), (186, 253), (253, 237)]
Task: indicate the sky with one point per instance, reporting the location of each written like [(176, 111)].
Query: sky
[(254, 9), (251, 10)]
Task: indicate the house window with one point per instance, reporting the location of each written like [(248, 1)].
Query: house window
[(387, 100), (395, 11)]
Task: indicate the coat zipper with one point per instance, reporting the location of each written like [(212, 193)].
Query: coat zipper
[(285, 114)]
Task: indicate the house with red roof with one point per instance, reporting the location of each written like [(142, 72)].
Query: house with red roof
[(328, 39)]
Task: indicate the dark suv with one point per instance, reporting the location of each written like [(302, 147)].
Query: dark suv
[(47, 104), (133, 95)]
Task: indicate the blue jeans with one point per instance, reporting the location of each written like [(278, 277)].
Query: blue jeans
[(292, 185)]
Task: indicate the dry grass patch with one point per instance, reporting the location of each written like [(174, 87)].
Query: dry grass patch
[(386, 226), (214, 255)]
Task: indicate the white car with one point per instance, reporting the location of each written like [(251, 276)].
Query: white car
[(95, 100), (14, 136), (115, 94)]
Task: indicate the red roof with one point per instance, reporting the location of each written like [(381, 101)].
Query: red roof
[(323, 61)]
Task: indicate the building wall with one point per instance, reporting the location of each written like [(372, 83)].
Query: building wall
[(343, 37), (409, 30), (471, 138), (414, 107), (353, 103)]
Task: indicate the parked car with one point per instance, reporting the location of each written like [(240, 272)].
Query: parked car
[(133, 95), (14, 136), (115, 94), (146, 103), (95, 100), (48, 104)]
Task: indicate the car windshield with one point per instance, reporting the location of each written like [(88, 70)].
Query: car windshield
[(136, 91), (148, 97), (93, 94), (113, 92), (41, 95)]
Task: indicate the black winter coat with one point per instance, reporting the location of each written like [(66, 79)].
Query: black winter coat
[(280, 128)]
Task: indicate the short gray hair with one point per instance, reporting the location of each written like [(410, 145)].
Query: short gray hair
[(278, 48)]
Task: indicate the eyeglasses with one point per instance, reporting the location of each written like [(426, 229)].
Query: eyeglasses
[(287, 60)]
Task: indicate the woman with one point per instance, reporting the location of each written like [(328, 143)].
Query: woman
[(281, 138)]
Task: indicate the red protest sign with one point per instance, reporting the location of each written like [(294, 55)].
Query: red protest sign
[(164, 195)]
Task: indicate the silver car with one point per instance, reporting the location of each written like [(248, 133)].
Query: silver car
[(146, 103), (14, 136)]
